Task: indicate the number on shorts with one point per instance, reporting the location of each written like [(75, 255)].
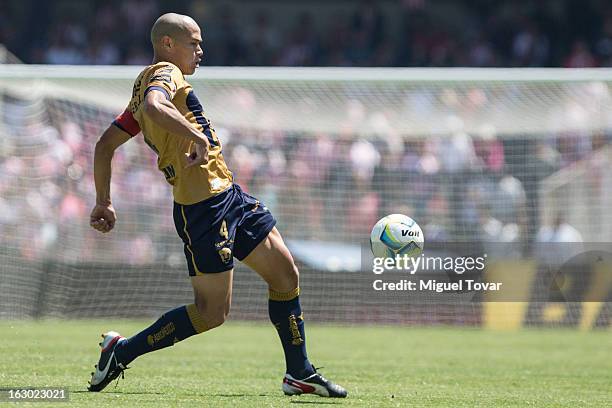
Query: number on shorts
[(223, 230)]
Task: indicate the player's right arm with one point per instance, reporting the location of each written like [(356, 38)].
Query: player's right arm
[(103, 215), (164, 114)]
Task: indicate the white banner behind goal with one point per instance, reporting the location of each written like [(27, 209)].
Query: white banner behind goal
[(364, 101)]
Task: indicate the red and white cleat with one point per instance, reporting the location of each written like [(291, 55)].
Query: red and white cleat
[(313, 384)]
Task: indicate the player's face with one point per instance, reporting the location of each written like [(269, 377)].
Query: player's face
[(188, 51)]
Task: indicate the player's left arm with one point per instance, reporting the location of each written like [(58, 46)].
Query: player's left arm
[(103, 215)]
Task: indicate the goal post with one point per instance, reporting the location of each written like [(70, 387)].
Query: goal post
[(486, 155)]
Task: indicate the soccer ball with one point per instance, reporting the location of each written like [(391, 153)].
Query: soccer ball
[(396, 234)]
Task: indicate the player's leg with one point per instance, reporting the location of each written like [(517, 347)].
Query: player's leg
[(272, 260), (213, 298), (211, 269), (212, 294)]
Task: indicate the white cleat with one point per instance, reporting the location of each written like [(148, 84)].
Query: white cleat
[(108, 368)]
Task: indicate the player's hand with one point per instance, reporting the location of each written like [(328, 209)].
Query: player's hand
[(103, 218), (198, 156)]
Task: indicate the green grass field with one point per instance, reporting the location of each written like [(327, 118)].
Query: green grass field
[(241, 365)]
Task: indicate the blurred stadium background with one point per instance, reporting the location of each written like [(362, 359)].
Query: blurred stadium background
[(563, 33), (517, 156)]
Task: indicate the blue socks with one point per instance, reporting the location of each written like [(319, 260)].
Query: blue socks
[(185, 321), (286, 315), (173, 326)]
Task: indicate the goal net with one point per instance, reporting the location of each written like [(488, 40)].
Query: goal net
[(513, 161)]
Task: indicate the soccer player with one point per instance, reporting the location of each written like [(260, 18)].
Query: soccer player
[(216, 220)]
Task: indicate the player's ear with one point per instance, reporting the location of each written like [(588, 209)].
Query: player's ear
[(167, 42)]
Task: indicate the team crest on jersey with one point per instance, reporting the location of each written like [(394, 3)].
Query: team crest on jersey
[(225, 254), (216, 183)]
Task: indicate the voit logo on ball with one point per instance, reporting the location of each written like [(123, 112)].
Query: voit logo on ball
[(396, 235)]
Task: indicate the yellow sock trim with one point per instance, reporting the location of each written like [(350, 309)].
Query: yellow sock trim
[(196, 319), (283, 297)]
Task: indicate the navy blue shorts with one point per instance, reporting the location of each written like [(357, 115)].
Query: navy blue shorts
[(216, 230)]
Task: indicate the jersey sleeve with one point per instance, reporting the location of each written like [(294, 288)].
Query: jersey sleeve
[(126, 122), (167, 79)]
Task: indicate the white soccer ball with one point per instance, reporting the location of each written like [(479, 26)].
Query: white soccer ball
[(396, 234)]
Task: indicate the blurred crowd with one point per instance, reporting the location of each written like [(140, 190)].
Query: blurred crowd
[(438, 33), (457, 187), (319, 186)]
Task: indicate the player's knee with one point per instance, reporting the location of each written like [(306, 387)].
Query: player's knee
[(295, 275), (292, 276), (215, 320), (212, 315), (286, 280)]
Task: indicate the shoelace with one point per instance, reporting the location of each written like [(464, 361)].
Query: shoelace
[(121, 367), (316, 370), (122, 376)]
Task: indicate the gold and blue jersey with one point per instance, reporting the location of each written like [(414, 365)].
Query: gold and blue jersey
[(190, 185)]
